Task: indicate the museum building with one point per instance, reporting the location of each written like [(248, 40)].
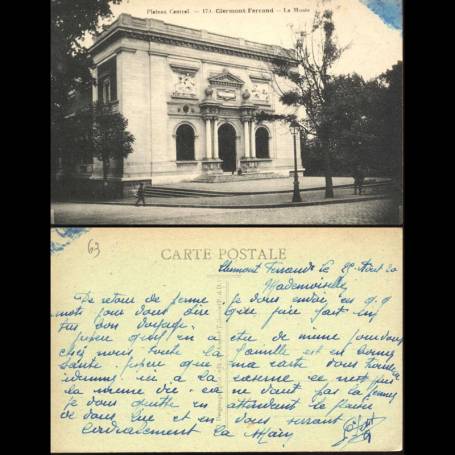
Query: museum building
[(189, 97)]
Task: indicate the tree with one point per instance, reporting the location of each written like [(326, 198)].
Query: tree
[(315, 53), (97, 131), (365, 126), (392, 125), (347, 107), (71, 20), (110, 138), (77, 136), (371, 132)]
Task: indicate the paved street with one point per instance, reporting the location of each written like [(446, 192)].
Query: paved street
[(242, 207), (365, 212)]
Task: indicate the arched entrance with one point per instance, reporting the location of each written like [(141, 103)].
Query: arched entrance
[(226, 147), (262, 143)]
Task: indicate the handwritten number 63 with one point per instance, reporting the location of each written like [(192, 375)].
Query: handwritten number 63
[(93, 248)]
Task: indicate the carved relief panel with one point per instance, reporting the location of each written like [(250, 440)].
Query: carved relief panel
[(260, 92), (225, 94), (184, 84), (261, 88), (226, 85)]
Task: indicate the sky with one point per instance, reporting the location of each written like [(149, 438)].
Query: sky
[(371, 28)]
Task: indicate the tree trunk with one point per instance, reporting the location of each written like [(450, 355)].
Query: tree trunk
[(327, 171), (105, 173), (56, 185)]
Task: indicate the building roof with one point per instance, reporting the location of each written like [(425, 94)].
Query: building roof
[(160, 31)]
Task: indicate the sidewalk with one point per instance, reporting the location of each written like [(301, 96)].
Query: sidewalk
[(260, 186), (364, 212), (277, 195)]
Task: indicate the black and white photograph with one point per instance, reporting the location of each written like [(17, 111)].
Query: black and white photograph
[(232, 113)]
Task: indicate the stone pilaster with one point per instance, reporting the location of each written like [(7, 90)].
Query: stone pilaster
[(215, 138), (209, 110), (253, 140), (208, 138), (246, 139)]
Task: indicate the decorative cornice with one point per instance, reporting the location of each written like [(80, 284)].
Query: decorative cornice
[(190, 101), (190, 97), (226, 79), (260, 77), (160, 32), (160, 54), (184, 68), (125, 49)]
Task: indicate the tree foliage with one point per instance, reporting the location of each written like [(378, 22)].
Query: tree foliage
[(71, 20), (110, 138), (76, 134), (366, 126), (391, 136), (315, 52), (344, 120)]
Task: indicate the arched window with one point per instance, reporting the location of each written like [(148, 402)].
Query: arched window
[(107, 81), (262, 143), (185, 143), (106, 90)]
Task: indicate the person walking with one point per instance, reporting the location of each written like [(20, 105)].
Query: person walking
[(359, 177), (140, 195)]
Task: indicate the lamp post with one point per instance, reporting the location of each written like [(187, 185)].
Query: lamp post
[(296, 196)]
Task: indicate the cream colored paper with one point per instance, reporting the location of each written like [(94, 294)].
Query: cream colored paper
[(331, 359)]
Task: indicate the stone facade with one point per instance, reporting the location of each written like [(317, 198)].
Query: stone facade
[(189, 97)]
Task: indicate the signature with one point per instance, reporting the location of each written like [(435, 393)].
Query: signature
[(358, 429)]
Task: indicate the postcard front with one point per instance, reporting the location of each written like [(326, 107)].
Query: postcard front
[(226, 112)]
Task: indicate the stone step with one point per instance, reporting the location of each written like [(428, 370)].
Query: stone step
[(188, 190), (151, 191), (178, 192), (228, 177)]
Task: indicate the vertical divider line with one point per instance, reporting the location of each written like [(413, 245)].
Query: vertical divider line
[(226, 350)]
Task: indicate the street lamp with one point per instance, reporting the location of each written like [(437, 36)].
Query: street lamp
[(295, 129)]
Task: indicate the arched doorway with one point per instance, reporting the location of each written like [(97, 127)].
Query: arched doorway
[(226, 147), (185, 143), (262, 143)]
